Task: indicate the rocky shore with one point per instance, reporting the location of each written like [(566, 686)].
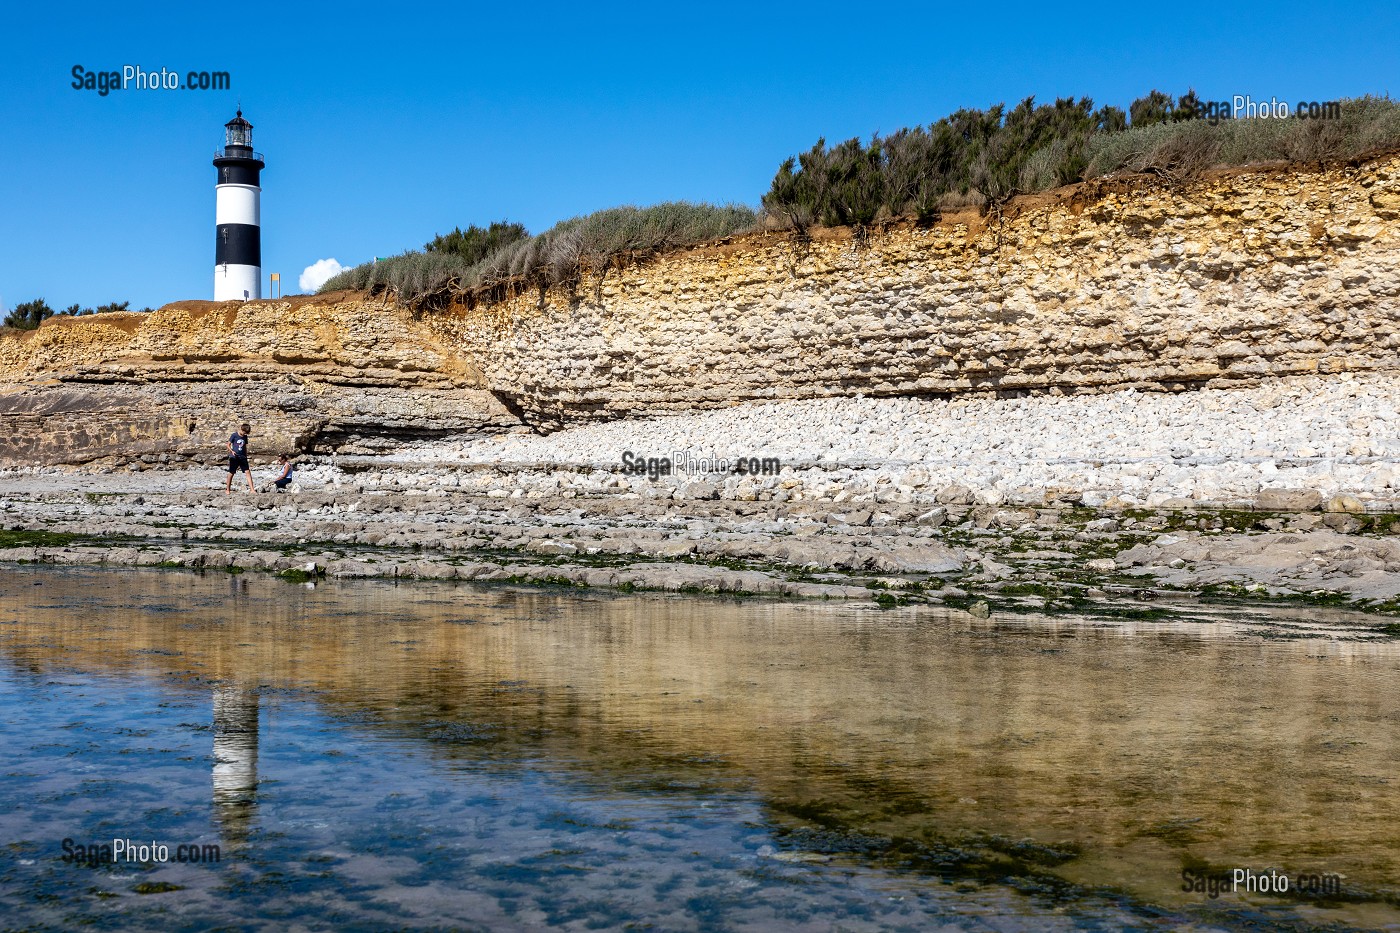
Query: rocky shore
[(1119, 393), (1125, 502)]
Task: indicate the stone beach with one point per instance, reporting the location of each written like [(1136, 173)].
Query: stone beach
[(1335, 435)]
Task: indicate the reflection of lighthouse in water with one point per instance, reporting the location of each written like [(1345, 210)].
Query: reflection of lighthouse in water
[(235, 761)]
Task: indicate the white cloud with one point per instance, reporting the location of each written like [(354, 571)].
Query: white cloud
[(318, 274)]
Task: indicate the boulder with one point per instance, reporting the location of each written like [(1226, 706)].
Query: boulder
[(1345, 503), (934, 518), (920, 558), (1342, 523), (1288, 500), (956, 494)]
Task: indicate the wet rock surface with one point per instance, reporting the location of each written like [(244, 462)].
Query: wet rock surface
[(1049, 556)]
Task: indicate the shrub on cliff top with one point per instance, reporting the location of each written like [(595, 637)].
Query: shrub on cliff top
[(980, 156), (967, 158), (476, 243), (560, 254), (1365, 124), (29, 315), (410, 275), (592, 241)]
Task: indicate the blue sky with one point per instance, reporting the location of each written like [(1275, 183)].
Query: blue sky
[(385, 123)]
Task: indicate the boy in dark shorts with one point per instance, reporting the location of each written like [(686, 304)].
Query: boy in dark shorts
[(238, 458)]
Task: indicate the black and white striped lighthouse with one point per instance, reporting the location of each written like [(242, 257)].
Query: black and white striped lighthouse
[(238, 238)]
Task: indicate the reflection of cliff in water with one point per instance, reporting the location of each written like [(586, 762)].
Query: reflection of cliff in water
[(1103, 757)]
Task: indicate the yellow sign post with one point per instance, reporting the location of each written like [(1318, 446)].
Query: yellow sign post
[(276, 285)]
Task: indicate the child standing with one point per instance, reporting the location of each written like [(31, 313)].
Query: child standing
[(238, 458)]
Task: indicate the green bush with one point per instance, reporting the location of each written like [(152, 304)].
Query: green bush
[(28, 315), (1366, 124), (559, 255), (476, 243), (110, 307), (966, 158), (1153, 109), (974, 157), (410, 274)]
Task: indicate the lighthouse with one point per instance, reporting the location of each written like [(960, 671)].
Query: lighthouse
[(238, 238)]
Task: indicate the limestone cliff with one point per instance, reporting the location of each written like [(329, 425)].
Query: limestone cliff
[(330, 372), (1241, 276), (1237, 277)]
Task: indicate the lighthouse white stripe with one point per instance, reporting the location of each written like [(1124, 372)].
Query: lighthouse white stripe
[(231, 280), (236, 204)]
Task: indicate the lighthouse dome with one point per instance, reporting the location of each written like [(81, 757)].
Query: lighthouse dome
[(238, 131)]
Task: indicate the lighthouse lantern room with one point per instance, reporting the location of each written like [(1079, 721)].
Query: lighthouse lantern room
[(238, 241)]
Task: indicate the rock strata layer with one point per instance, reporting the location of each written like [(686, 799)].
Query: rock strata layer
[(1233, 279), (341, 373)]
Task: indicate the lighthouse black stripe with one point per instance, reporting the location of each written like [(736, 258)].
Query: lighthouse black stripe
[(239, 172), (238, 244)]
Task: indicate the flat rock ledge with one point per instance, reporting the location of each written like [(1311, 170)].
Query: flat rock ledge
[(1139, 562)]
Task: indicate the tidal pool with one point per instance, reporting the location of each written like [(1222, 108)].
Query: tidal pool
[(372, 756)]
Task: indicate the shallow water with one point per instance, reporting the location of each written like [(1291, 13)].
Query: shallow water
[(374, 756)]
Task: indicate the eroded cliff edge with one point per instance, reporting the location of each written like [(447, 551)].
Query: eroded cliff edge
[(334, 372), (1231, 279)]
